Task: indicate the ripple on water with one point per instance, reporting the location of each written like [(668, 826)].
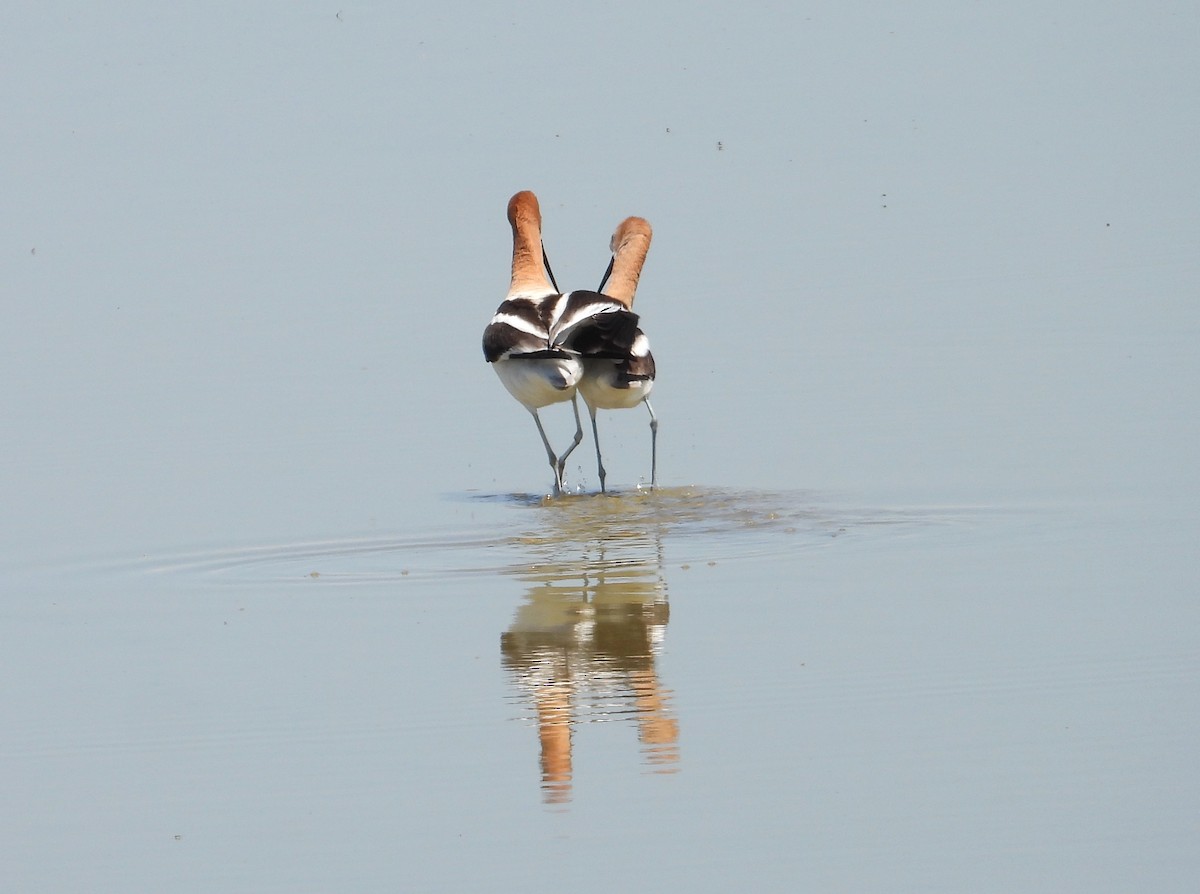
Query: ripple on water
[(596, 530), (586, 636)]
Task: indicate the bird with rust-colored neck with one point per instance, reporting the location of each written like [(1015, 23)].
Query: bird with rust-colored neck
[(612, 383)]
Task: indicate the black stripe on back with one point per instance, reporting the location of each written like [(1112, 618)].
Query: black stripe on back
[(533, 310), (501, 338)]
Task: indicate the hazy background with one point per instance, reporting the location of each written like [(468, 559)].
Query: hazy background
[(929, 258)]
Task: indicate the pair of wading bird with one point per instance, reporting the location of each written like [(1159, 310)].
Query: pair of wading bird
[(547, 347)]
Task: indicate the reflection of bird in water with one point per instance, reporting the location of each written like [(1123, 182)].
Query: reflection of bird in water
[(538, 339), (585, 645)]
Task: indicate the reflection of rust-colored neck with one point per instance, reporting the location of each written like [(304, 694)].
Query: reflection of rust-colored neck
[(629, 246), (554, 731), (528, 268), (657, 729)]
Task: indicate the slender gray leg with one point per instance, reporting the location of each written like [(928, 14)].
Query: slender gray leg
[(653, 445), (596, 435), (562, 463), (549, 453)]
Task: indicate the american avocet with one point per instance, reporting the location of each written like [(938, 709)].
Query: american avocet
[(538, 337), (612, 383)]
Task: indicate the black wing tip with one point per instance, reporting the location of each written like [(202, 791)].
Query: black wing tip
[(610, 334)]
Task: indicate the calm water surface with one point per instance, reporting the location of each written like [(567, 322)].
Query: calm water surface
[(762, 685), (283, 607)]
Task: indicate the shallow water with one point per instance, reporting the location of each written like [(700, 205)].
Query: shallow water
[(284, 606), (677, 676)]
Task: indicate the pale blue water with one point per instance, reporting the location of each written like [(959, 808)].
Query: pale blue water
[(282, 607)]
